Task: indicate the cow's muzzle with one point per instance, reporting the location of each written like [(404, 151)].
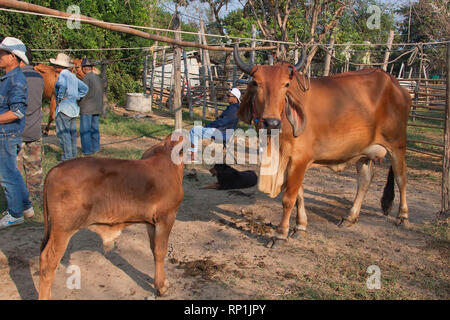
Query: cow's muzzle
[(271, 124)]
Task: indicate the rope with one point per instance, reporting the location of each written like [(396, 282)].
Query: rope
[(295, 44), (411, 59)]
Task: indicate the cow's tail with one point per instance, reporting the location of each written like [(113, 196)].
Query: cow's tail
[(388, 194), (45, 212)]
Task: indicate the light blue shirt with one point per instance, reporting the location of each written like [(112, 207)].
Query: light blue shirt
[(72, 89)]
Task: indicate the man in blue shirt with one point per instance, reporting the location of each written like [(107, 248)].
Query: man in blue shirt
[(217, 129), (13, 105), (68, 90)]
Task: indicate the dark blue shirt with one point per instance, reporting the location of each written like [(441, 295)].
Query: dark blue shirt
[(13, 97), (227, 120)]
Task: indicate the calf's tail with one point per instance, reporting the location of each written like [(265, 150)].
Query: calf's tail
[(388, 193), (45, 211)]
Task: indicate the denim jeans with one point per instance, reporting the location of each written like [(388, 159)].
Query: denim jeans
[(89, 133), (66, 131), (206, 133), (16, 192)]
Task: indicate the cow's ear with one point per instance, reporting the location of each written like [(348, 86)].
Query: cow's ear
[(296, 117), (245, 107)]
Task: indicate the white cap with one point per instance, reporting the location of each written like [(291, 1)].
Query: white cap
[(16, 47), (235, 92)]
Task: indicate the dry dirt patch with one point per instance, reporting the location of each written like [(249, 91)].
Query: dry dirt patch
[(217, 247)]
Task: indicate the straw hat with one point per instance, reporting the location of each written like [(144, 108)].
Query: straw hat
[(62, 60), (14, 46)]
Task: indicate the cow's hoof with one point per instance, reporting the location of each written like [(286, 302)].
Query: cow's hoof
[(402, 222), (297, 234), (276, 243), (161, 292), (344, 223)]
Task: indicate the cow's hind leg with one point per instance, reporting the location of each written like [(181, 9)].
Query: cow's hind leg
[(51, 115), (399, 168), (299, 230), (50, 257), (364, 168), (159, 238)]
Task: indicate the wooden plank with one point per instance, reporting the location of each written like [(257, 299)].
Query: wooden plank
[(424, 125), (425, 152), (445, 203), (441, 145), (177, 107)]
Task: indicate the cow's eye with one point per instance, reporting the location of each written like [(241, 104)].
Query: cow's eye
[(254, 83), (286, 85)]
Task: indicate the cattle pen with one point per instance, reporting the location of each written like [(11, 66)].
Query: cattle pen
[(216, 249)]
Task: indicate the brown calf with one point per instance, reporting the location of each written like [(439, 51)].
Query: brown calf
[(106, 195)]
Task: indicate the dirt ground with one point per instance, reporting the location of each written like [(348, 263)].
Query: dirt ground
[(217, 246)]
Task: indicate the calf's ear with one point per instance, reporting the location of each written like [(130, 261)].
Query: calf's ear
[(296, 117)]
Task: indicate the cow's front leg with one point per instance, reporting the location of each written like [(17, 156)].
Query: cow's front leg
[(299, 230), (294, 182), (364, 168)]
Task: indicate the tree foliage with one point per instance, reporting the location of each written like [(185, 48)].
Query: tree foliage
[(50, 33)]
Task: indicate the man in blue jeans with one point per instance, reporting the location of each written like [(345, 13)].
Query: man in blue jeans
[(68, 90), (13, 105), (91, 106), (217, 129)]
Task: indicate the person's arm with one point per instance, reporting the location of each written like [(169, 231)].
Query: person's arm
[(18, 99), (82, 89), (60, 87), (8, 117), (228, 117)]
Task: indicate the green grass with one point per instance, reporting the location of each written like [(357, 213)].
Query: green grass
[(118, 125)]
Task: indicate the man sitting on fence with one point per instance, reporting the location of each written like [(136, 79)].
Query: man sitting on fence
[(217, 129)]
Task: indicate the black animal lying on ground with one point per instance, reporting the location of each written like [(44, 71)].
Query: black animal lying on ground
[(230, 178)]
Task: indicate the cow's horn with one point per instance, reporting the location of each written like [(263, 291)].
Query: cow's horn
[(301, 61), (247, 68)]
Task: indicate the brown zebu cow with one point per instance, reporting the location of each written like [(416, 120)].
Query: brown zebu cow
[(106, 195), (329, 121), (50, 76)]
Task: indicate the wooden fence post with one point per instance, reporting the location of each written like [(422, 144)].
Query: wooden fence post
[(188, 83), (326, 70), (162, 77), (144, 72), (177, 74), (388, 50), (203, 77), (152, 76), (211, 85), (253, 45), (446, 165), (105, 87)]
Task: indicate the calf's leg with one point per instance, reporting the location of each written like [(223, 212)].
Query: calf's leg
[(159, 239), (50, 257)]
